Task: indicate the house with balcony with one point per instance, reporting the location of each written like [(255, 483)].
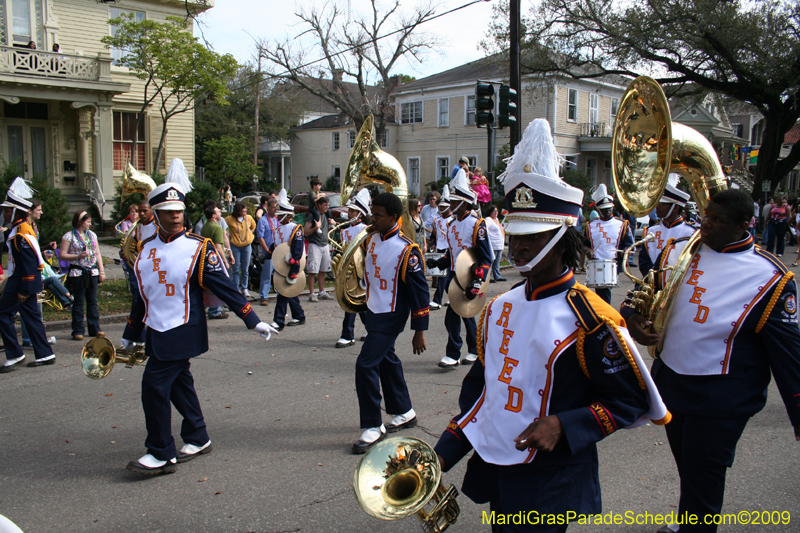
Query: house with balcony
[(71, 113)]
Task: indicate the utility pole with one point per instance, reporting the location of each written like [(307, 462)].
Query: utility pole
[(514, 75), (258, 106)]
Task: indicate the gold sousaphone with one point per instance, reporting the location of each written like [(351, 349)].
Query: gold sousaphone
[(99, 355), (401, 476), (368, 164), (646, 147), (133, 182)]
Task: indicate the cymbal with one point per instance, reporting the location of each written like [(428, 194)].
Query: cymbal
[(464, 263), (459, 303), (279, 259), (289, 290)]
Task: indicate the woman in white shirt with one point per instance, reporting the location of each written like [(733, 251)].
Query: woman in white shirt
[(497, 238)]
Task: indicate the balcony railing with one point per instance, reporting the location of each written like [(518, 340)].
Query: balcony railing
[(594, 129), (38, 63)]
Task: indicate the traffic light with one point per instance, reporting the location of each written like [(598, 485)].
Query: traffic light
[(484, 105), (509, 109)]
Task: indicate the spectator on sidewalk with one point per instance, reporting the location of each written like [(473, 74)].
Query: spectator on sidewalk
[(265, 236), (319, 256), (129, 220), (497, 238), (241, 228), (86, 271), (212, 230)]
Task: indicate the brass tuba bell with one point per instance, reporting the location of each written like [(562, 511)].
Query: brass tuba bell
[(401, 476), (368, 164), (133, 182), (646, 147), (99, 355)]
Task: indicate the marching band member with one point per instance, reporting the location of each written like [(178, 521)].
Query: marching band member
[(671, 225), (465, 231), (25, 265), (358, 207), (607, 234), (173, 268), (288, 231), (438, 223), (396, 287), (539, 398), (724, 335)]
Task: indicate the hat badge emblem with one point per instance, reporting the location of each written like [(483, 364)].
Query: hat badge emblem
[(524, 198), (173, 195)]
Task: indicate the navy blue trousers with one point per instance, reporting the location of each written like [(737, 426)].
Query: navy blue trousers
[(440, 285), (280, 309), (89, 296), (379, 367), (165, 382), (349, 326), (133, 283), (453, 324), (29, 312), (704, 449)]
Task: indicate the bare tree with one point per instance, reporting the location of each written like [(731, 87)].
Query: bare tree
[(352, 62), (746, 51)]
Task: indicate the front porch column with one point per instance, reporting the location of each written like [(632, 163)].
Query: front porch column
[(104, 153)]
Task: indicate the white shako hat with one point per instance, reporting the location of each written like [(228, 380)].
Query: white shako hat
[(445, 199), (673, 195), (18, 196), (537, 199), (460, 189), (361, 202), (167, 197), (177, 175), (284, 207), (601, 198)]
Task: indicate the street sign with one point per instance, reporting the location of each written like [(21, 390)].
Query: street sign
[(765, 186)]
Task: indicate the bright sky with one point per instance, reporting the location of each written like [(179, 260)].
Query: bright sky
[(232, 24)]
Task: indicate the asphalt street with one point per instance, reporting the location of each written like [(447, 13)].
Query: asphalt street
[(282, 416)]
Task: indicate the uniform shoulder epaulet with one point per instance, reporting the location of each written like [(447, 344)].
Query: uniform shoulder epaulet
[(406, 238), (771, 258), (593, 312), (25, 229), (194, 236), (590, 308), (141, 244)]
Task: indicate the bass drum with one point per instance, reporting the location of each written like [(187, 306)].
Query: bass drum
[(601, 273)]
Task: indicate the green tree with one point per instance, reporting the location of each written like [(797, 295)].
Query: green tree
[(177, 70), (745, 51), (228, 160)]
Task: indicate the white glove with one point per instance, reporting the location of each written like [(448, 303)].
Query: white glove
[(125, 344), (265, 330)]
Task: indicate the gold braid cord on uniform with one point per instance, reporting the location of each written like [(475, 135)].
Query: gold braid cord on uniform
[(407, 256), (481, 327), (203, 262), (772, 301)]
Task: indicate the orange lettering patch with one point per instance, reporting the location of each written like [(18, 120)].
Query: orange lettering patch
[(503, 320), (508, 367), (514, 400), (697, 293)]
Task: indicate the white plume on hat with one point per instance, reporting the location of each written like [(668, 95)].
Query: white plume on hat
[(361, 202), (445, 199), (673, 179), (601, 197), (18, 194), (177, 175), (535, 154), (537, 199), (284, 207), (459, 187)]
